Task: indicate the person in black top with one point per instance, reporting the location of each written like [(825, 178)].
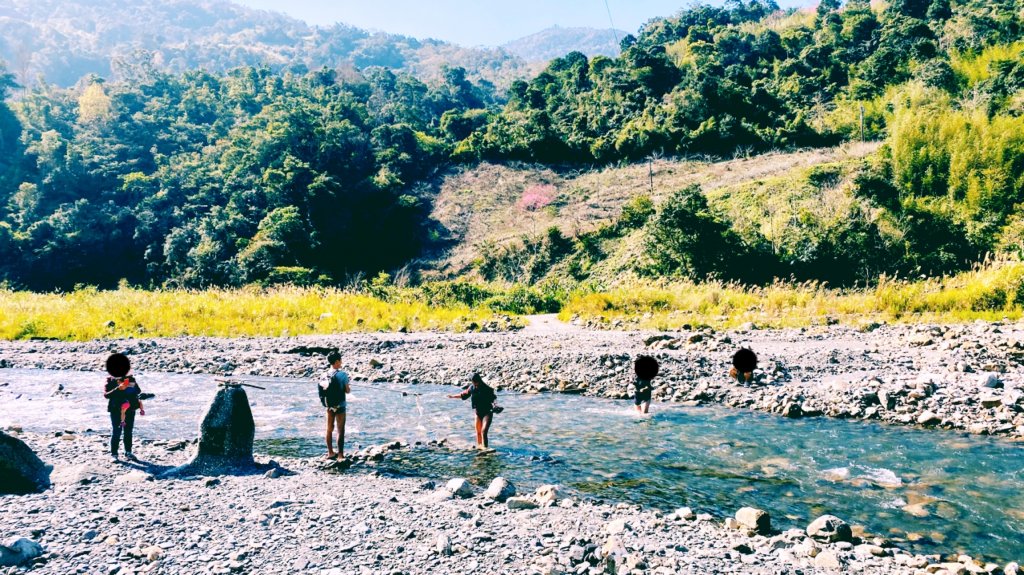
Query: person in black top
[(646, 369), (482, 398), (119, 390)]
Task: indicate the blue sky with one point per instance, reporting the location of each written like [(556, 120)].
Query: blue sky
[(479, 22)]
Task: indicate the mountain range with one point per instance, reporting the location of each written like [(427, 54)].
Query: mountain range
[(62, 41)]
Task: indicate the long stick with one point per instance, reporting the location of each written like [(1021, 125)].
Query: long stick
[(235, 382), (258, 378)]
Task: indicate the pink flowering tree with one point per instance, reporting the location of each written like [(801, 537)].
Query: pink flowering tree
[(537, 197)]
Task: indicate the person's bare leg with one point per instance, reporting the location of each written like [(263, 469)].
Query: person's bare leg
[(485, 427), (645, 405), (340, 417), (479, 431), (330, 433)]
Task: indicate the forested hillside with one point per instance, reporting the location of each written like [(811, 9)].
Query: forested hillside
[(557, 41), (64, 40), (264, 175)]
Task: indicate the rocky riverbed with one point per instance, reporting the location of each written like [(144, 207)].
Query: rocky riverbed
[(965, 377), (305, 516)]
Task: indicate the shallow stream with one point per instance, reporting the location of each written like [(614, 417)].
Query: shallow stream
[(935, 491)]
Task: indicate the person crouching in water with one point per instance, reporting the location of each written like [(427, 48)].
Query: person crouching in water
[(333, 389), (744, 362), (482, 398), (646, 369)]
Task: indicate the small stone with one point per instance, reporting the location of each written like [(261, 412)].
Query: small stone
[(273, 473), (153, 553), (617, 526), (444, 545), (928, 418), (685, 514), (990, 381), (828, 560), (756, 519), (459, 487), (500, 489), (548, 494), (829, 528), (520, 503)]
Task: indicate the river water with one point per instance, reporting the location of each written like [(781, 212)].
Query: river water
[(934, 491)]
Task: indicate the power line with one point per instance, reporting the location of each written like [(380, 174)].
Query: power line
[(615, 32)]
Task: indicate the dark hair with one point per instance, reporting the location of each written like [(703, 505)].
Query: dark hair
[(479, 380), (118, 365), (646, 367), (744, 360), (333, 357)]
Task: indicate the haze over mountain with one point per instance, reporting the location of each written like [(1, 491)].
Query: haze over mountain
[(557, 41), (65, 40)]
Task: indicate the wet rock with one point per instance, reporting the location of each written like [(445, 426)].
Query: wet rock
[(757, 520), (829, 528), (21, 471), (19, 551), (500, 489)]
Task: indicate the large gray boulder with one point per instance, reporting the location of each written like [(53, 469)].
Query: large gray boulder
[(21, 471), (225, 436), (19, 551)]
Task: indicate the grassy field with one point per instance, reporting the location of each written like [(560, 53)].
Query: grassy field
[(991, 292), (91, 314)]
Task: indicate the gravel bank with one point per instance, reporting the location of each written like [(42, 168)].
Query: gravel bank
[(114, 519)]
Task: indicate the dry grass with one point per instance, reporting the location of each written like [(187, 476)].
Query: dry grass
[(991, 292), (125, 312)]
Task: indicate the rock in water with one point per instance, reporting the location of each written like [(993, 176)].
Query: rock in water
[(225, 436), (21, 471)]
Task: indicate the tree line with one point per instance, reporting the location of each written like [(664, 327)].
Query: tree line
[(259, 175)]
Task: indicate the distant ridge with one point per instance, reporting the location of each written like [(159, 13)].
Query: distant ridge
[(557, 41), (65, 40)]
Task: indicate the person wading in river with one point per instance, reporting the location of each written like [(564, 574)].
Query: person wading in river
[(122, 393), (483, 400), (646, 369), (333, 392)]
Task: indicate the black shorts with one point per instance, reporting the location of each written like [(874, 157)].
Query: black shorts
[(482, 413), (642, 397)]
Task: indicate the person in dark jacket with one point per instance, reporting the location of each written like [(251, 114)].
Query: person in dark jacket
[(483, 400), (122, 393), (646, 369)]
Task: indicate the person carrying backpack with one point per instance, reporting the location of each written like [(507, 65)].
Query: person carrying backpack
[(333, 389), (483, 400)]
